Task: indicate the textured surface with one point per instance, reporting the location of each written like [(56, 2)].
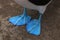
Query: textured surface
[(50, 22)]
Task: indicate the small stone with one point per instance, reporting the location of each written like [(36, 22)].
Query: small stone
[(12, 4), (1, 6), (1, 37), (0, 17)]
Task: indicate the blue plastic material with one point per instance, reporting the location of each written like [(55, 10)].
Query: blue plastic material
[(34, 26), (20, 19)]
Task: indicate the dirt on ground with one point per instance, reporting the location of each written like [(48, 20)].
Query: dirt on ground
[(50, 22)]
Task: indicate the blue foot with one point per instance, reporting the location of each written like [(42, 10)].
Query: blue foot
[(34, 27), (19, 20)]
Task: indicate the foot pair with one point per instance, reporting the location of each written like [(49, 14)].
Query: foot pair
[(32, 26)]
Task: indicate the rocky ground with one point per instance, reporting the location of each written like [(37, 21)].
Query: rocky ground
[(50, 22)]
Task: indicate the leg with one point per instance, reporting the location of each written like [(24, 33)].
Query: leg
[(34, 26), (20, 19)]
